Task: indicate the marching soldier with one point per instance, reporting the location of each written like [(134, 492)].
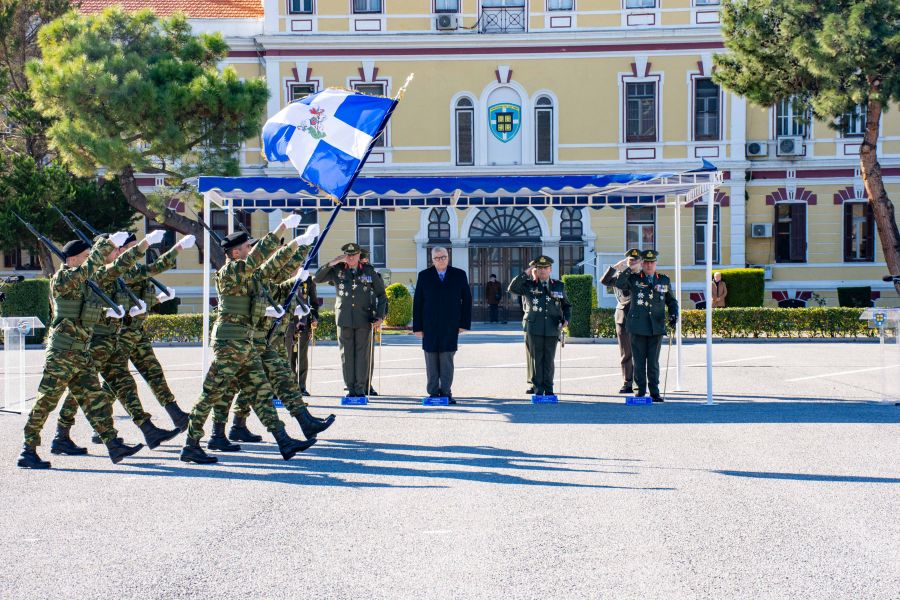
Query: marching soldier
[(547, 311), (360, 306), (302, 329), (651, 293), (623, 298)]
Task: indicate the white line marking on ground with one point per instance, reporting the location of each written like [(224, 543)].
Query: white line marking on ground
[(839, 373), (721, 362)]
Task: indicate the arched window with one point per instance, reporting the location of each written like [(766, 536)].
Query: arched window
[(465, 132), (570, 225), (500, 224), (438, 225), (543, 131), (571, 244)]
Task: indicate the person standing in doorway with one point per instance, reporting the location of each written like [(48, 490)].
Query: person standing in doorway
[(492, 295), (442, 309)]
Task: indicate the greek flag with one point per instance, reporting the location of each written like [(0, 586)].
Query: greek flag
[(326, 136)]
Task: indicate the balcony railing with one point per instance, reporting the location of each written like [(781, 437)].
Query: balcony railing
[(506, 19)]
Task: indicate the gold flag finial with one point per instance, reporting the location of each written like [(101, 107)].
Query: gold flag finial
[(402, 91)]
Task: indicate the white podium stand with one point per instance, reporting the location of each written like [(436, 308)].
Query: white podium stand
[(15, 329), (887, 320)]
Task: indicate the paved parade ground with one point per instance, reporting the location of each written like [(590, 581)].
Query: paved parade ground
[(788, 488)]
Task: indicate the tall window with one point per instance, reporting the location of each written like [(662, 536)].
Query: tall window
[(859, 232), (154, 251), (299, 91), (640, 112), (465, 132), (791, 119), (439, 226), (300, 7), (706, 110), (571, 244), (640, 3), (370, 235), (366, 6), (700, 214), (446, 6), (640, 227), (560, 4), (853, 123), (373, 89), (790, 232), (308, 216), (543, 131)]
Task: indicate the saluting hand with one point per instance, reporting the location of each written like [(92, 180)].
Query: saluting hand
[(338, 259)]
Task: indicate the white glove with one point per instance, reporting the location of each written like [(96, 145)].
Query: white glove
[(165, 297), (302, 310), (276, 312), (291, 221), (187, 242), (155, 237), (118, 238), (304, 275), (140, 309), (112, 314)]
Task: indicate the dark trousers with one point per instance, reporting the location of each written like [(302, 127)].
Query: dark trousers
[(645, 350), (439, 372), (494, 310), (543, 352), (624, 339), (529, 364), (354, 343), (298, 356)]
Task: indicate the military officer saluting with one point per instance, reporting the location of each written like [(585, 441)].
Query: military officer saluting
[(547, 311), (623, 301), (651, 293), (360, 306)]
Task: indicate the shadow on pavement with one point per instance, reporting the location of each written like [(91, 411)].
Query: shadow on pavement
[(810, 477)]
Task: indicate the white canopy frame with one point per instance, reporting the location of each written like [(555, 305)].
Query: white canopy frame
[(678, 190)]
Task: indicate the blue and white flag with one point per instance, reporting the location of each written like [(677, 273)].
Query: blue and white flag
[(326, 136)]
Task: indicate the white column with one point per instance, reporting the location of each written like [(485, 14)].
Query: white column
[(679, 362), (551, 249), (230, 210), (738, 127), (207, 252), (737, 231), (273, 81), (270, 21), (460, 249), (710, 207)]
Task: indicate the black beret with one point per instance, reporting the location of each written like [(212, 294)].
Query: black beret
[(233, 240), (75, 247)]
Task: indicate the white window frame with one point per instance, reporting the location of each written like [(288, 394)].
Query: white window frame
[(372, 227), (455, 129), (700, 209), (551, 8), (380, 10), (641, 225), (551, 108), (797, 125), (311, 11), (858, 118), (385, 85)]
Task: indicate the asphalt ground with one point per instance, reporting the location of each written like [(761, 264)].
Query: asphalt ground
[(788, 487)]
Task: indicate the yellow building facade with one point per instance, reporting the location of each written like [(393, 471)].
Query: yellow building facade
[(557, 87)]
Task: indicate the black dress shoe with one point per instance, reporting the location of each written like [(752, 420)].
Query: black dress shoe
[(372, 392), (305, 392), (627, 388), (657, 398), (450, 400), (530, 390)]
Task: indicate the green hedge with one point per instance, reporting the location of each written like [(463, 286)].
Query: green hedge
[(826, 322), (29, 298), (746, 287), (579, 289), (189, 327), (400, 305)]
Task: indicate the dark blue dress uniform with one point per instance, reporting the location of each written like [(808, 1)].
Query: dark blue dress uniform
[(546, 308), (646, 322)]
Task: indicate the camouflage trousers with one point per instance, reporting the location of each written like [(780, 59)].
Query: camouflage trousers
[(136, 346), (73, 370), (235, 362), (281, 379), (118, 382)]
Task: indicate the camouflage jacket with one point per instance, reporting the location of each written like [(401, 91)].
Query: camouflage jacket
[(236, 279), (106, 278), (286, 260), (138, 280), (70, 284)]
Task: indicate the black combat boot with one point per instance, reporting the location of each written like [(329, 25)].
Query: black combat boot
[(119, 450), (155, 436), (96, 439), (179, 417), (63, 444), (656, 397), (29, 459), (192, 452), (240, 433), (219, 442), (309, 425), (288, 445)]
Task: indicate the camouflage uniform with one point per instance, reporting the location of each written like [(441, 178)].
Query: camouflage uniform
[(235, 353), (68, 362)]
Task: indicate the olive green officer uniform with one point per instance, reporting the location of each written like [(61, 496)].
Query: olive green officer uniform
[(646, 321), (623, 301), (360, 300), (547, 308)]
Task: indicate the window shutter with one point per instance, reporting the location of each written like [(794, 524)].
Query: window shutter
[(848, 232), (544, 137), (870, 233), (465, 154), (798, 232)]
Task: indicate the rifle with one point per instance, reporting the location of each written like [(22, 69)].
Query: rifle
[(59, 253), (159, 285), (135, 301)]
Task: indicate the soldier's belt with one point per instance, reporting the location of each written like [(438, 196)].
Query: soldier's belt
[(66, 343), (233, 331), (103, 330)]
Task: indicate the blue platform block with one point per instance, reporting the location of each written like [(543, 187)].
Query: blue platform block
[(354, 400), (439, 401), (542, 399), (638, 400), (277, 403)]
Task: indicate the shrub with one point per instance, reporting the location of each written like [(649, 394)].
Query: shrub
[(579, 289), (189, 327), (855, 297), (326, 329), (746, 287), (400, 305), (29, 298)]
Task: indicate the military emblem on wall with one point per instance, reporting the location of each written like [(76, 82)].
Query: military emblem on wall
[(504, 120)]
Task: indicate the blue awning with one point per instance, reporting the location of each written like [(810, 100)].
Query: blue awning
[(273, 193)]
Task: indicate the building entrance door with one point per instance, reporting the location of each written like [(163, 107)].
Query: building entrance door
[(506, 264)]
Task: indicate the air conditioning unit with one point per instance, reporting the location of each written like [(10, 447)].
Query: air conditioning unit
[(757, 149), (447, 22), (767, 270), (761, 230), (789, 145)]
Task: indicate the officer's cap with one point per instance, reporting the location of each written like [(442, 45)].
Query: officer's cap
[(75, 247), (350, 249), (541, 261), (649, 255), (632, 253), (233, 240)]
